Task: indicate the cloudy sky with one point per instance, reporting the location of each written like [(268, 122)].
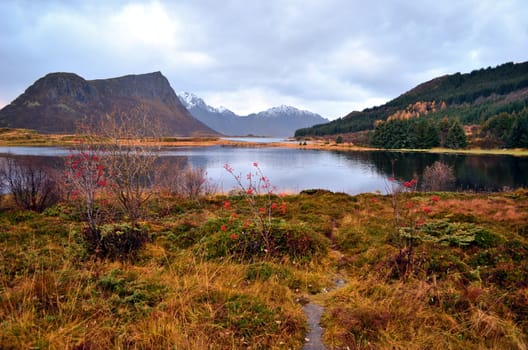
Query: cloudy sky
[(327, 56)]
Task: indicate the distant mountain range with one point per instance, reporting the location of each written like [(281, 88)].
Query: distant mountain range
[(279, 121), (472, 98), (57, 102)]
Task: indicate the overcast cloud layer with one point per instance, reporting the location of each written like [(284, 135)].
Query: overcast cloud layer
[(328, 56)]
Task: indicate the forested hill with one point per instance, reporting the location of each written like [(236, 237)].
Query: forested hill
[(472, 98)]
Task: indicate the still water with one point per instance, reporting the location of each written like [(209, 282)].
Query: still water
[(294, 170)]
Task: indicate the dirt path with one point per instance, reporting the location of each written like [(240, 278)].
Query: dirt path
[(314, 338), (313, 312)]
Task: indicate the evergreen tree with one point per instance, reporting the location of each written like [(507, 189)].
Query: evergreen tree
[(456, 137), (498, 128), (431, 136), (518, 137), (426, 134), (443, 128)]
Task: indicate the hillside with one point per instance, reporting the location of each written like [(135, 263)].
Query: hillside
[(473, 98), (279, 121), (57, 102)]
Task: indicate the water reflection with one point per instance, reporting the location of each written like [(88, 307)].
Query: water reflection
[(473, 172), (350, 172)]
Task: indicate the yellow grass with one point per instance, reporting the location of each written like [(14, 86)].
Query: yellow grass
[(25, 137)]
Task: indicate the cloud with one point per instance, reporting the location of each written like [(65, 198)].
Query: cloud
[(330, 56)]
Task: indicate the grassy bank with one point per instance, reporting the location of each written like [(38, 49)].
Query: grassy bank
[(193, 287), (24, 137), (332, 146)]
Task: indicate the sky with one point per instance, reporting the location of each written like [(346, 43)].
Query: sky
[(327, 56)]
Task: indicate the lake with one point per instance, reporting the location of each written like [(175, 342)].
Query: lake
[(293, 170)]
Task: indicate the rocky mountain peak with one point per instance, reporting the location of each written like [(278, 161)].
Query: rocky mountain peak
[(58, 101), (286, 110), (191, 101), (281, 121)]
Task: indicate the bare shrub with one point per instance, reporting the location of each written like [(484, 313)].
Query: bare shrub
[(178, 178), (32, 184), (437, 177), (192, 184), (166, 177), (114, 164), (130, 155), (86, 179)]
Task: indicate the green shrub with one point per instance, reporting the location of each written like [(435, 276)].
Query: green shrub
[(486, 239), (129, 294), (115, 241), (459, 234), (297, 242)]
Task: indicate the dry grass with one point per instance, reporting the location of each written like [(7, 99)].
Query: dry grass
[(374, 314), (459, 297)]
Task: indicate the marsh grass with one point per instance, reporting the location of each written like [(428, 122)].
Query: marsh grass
[(174, 295)]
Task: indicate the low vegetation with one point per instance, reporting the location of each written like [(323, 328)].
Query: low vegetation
[(136, 253), (202, 279)]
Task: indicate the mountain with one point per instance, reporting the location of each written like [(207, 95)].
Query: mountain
[(472, 98), (278, 121), (57, 102)]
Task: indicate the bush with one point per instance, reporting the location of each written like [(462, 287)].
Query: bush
[(129, 294), (438, 177), (459, 234), (115, 241), (32, 185), (297, 242), (486, 239)]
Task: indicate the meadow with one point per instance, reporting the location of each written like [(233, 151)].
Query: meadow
[(432, 270)]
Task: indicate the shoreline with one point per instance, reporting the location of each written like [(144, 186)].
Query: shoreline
[(26, 138)]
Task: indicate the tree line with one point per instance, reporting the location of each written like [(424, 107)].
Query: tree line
[(503, 130), (471, 97), (507, 130), (419, 133)]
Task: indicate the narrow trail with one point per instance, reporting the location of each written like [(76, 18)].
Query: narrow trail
[(314, 311), (314, 338)]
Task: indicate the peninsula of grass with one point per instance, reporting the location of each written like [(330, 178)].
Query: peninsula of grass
[(200, 283)]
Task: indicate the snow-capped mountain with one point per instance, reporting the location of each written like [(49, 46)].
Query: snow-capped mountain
[(281, 121), (191, 101), (289, 111)]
